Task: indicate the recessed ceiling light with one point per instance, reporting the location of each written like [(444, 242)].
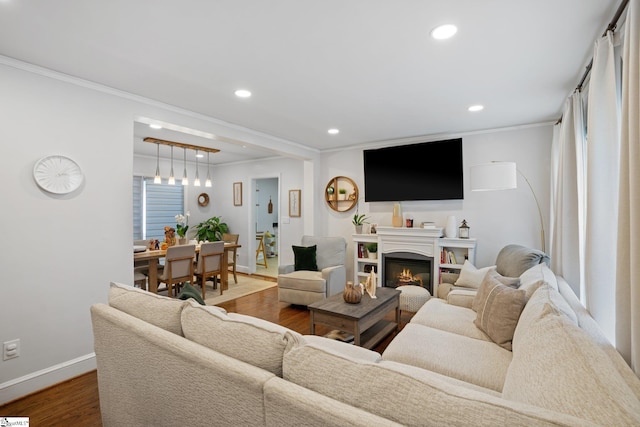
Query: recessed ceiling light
[(333, 131), (199, 155), (444, 31), (474, 108), (155, 126), (242, 93)]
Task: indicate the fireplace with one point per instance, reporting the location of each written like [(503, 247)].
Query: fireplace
[(407, 268)]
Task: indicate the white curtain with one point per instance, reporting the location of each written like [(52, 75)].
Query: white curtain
[(567, 194), (601, 173), (628, 251)]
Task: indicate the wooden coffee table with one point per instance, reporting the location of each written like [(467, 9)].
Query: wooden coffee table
[(364, 320)]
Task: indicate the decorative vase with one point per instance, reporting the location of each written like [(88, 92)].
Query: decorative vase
[(396, 220), (351, 294), (452, 227), (182, 240), (358, 229)]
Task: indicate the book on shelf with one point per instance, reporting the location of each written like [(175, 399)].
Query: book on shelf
[(448, 257)]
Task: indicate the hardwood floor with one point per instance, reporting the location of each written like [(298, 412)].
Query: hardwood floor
[(76, 401)]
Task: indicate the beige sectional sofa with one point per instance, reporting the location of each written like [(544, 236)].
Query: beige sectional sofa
[(169, 362)]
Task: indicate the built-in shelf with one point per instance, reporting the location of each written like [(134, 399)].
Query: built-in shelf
[(341, 202), (425, 242)]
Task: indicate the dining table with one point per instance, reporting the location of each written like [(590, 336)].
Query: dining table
[(153, 256)]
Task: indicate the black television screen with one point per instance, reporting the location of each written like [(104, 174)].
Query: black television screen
[(424, 171)]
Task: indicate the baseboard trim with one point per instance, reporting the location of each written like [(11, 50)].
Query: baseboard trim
[(35, 381)]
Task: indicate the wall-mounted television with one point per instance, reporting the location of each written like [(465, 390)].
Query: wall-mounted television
[(422, 171)]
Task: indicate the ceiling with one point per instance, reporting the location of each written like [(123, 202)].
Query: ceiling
[(366, 67)]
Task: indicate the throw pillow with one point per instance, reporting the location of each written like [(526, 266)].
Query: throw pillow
[(470, 276), (189, 291), (305, 258), (513, 260), (512, 282), (499, 310)]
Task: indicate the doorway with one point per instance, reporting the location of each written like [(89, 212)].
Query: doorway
[(267, 212)]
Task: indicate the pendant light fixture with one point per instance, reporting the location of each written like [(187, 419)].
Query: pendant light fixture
[(185, 180), (207, 182), (196, 182), (172, 179), (157, 179)]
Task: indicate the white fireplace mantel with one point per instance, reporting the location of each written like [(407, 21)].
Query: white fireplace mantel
[(423, 241), (427, 242)]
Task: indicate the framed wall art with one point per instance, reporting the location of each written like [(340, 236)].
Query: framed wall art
[(294, 203), (237, 194)]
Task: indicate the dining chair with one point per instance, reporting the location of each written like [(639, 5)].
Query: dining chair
[(178, 266), (209, 264), (140, 268), (231, 260)]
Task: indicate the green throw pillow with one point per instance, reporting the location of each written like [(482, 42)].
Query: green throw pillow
[(305, 258), (189, 291)]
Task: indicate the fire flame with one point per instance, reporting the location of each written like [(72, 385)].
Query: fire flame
[(406, 276)]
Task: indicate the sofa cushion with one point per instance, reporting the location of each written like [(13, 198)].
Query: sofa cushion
[(513, 260), (499, 308), (406, 394), (470, 276), (438, 314), (538, 273), (557, 366), (340, 347), (305, 258), (252, 340), (544, 300), (331, 251), (475, 361), (161, 311), (309, 281), (461, 297)]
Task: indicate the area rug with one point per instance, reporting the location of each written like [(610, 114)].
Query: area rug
[(247, 285)]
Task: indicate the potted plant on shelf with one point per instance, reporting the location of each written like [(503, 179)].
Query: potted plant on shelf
[(211, 230), (358, 221), (372, 250), (342, 194)]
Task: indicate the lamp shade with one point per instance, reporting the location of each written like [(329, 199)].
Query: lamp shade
[(494, 176)]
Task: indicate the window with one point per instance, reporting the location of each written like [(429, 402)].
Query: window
[(154, 206)]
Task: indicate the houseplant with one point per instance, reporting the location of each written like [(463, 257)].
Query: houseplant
[(182, 226), (211, 230), (372, 250), (343, 193), (358, 220)]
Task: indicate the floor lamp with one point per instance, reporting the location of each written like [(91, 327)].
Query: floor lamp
[(502, 176)]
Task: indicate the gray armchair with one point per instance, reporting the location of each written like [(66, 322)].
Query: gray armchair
[(304, 287)]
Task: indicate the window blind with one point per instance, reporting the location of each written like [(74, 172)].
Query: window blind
[(154, 206)]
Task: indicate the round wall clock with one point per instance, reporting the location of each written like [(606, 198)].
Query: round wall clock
[(203, 199), (57, 174)]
